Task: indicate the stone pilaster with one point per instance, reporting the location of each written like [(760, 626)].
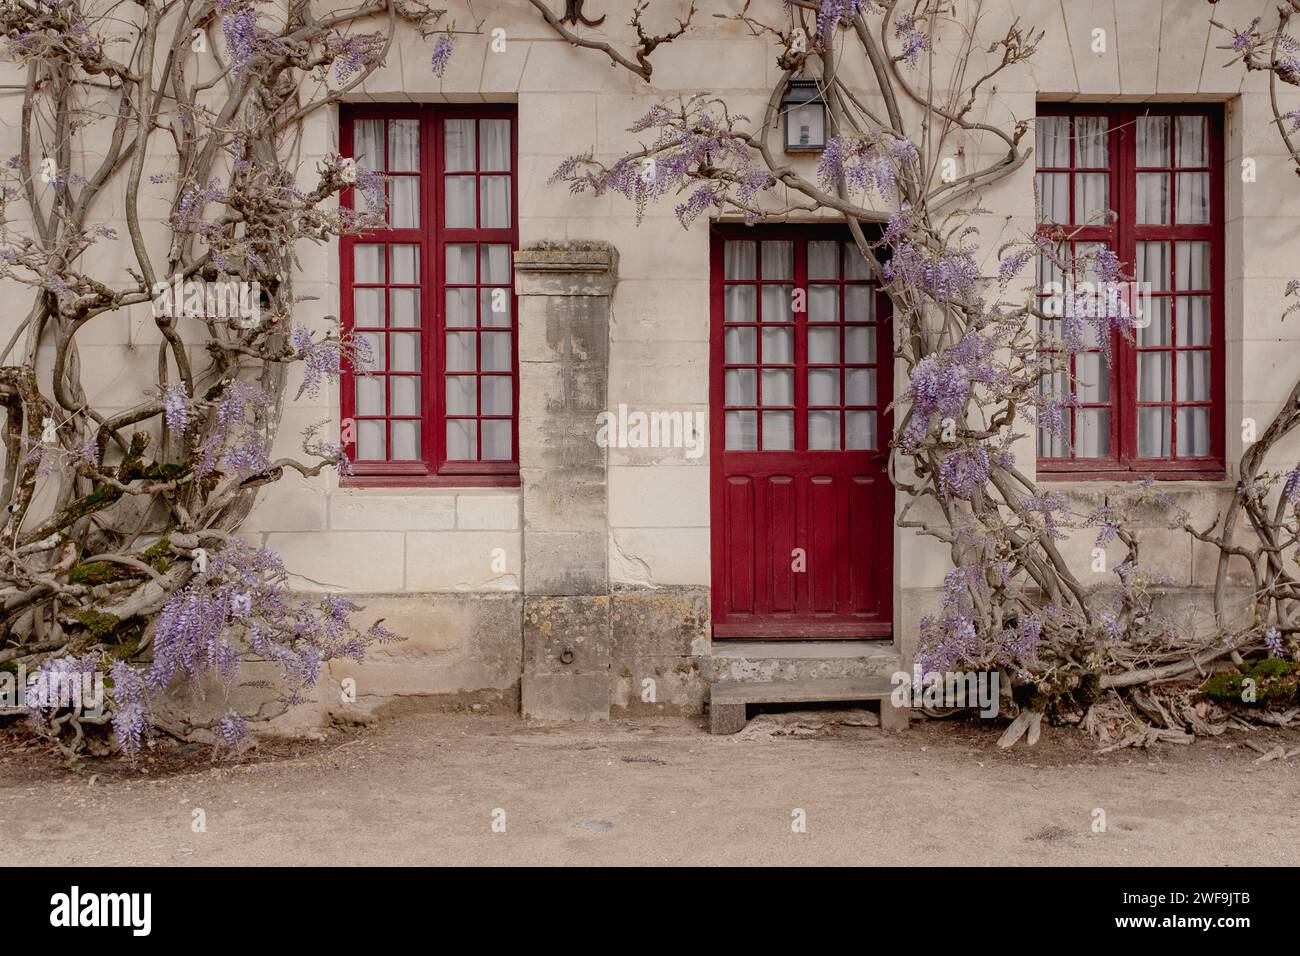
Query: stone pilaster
[(564, 291)]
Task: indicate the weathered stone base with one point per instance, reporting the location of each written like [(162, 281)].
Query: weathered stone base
[(780, 660), (566, 657), (633, 652), (659, 651), (893, 719), (256, 696), (460, 650), (727, 718)]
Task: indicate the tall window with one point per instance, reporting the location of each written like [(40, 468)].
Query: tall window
[(1146, 183), (432, 295)]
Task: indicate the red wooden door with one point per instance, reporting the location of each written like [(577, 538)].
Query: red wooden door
[(802, 510)]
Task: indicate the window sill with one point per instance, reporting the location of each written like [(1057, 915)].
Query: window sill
[(416, 482), (1122, 476)]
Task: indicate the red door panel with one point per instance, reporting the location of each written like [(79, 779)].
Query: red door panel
[(800, 379), (783, 525), (740, 516), (823, 544)]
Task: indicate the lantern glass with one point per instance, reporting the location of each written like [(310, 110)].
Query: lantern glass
[(805, 126)]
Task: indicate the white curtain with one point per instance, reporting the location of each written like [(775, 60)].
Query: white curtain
[(1193, 431), (404, 146), (1153, 141), (496, 440), (1091, 432), (368, 144), (458, 145), (406, 440), (1091, 149), (494, 202), (1153, 432), (494, 145), (738, 259), (462, 439), (742, 431), (1053, 141)]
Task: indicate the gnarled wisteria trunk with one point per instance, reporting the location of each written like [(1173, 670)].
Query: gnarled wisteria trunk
[(120, 551)]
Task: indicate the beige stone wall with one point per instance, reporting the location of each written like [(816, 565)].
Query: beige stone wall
[(397, 542)]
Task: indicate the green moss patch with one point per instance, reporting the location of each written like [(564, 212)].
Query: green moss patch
[(1276, 683)]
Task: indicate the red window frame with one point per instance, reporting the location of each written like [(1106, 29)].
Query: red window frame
[(1122, 235), (433, 468)]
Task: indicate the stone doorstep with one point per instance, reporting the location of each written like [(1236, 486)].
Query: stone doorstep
[(790, 660), (803, 650), (728, 699)]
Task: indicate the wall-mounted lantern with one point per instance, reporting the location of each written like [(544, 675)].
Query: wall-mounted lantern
[(804, 109)]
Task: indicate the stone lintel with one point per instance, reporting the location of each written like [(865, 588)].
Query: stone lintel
[(573, 268)]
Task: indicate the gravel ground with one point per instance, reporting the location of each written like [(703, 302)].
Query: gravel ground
[(427, 788)]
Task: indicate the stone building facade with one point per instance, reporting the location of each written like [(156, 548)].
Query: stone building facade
[(563, 588)]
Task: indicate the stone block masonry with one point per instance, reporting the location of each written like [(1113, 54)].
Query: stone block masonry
[(564, 300), (586, 647)]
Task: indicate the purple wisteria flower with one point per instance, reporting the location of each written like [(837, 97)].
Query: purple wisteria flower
[(965, 473), (1052, 508), (232, 729), (239, 27), (188, 217), (1012, 263), (914, 41), (834, 13), (1107, 521), (695, 149), (944, 275), (235, 442), (132, 718), (353, 52), (869, 165), (1020, 643), (442, 50), (242, 600), (1288, 59), (321, 360), (951, 637), (937, 389), (1291, 487), (1243, 40), (176, 408)]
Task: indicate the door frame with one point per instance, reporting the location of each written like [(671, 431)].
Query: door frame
[(719, 232)]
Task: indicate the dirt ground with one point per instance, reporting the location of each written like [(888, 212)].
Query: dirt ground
[(426, 788)]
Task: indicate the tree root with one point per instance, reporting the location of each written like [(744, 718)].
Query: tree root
[(1028, 725)]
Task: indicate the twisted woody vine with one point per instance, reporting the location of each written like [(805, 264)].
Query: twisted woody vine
[(121, 547)]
